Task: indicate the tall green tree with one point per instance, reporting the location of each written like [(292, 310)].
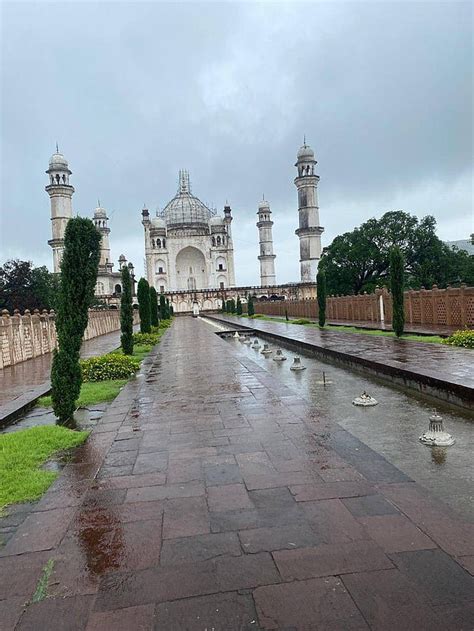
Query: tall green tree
[(143, 295), (397, 286), (154, 315), (250, 307), (321, 288), (359, 260), (77, 283), (239, 306), (224, 307), (23, 286), (126, 313)]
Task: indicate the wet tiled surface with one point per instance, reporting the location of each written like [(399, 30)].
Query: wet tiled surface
[(433, 365), (25, 382), (209, 497)]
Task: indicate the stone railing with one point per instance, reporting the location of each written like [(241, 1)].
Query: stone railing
[(453, 307), (29, 335)]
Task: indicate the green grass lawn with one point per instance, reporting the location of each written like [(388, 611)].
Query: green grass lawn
[(21, 456), (92, 392), (434, 339)]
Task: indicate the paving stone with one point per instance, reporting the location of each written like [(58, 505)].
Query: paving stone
[(388, 600), (396, 533), (467, 563), (330, 490), (39, 531), (456, 617), (437, 574), (228, 497), (222, 474), (273, 480), (330, 559), (10, 612), (220, 612), (113, 472), (139, 618), (19, 574), (167, 491), (332, 522), (185, 517), (151, 463), (269, 539), (320, 603), (246, 572), (103, 498), (199, 548), (57, 614), (156, 585), (133, 481), (186, 471), (139, 511), (369, 505)]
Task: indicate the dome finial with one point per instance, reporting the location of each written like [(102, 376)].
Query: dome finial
[(304, 140), (57, 148), (98, 203)]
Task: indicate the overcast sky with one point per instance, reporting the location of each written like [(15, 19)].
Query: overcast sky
[(134, 91)]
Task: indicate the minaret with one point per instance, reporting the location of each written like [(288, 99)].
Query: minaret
[(60, 193), (230, 245), (266, 258), (309, 230), (100, 222)]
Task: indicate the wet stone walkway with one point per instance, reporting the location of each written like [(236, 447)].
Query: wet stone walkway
[(444, 371), (207, 497), (23, 383)]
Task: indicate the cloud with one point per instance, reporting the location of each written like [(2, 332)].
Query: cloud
[(135, 91)]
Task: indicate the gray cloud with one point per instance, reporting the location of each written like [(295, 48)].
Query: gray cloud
[(135, 91)]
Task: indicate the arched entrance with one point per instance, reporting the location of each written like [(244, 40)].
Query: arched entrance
[(191, 269)]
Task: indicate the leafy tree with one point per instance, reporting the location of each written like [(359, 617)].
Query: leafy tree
[(359, 261), (77, 283), (154, 319), (126, 313), (321, 287), (250, 307), (397, 287), (239, 306), (23, 286), (143, 295)]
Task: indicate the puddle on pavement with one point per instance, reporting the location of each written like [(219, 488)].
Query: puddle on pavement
[(392, 428), (85, 418)]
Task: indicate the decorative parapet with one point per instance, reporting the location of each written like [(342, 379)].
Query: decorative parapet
[(453, 306), (30, 335)]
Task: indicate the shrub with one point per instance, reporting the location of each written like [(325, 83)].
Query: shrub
[(302, 321), (150, 339), (154, 321), (126, 313), (463, 338), (79, 267), (397, 266), (321, 285), (250, 307), (143, 295), (110, 366)]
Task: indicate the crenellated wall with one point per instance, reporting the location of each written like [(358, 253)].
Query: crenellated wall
[(29, 335), (453, 307)]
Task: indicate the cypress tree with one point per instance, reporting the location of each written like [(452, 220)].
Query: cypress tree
[(397, 266), (321, 288), (143, 295), (239, 306), (168, 309), (250, 307), (286, 315), (126, 313), (223, 305), (154, 319), (78, 277), (162, 307), (232, 305)]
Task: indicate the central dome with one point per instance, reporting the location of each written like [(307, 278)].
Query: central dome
[(185, 208)]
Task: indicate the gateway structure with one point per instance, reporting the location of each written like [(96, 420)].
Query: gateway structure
[(188, 246)]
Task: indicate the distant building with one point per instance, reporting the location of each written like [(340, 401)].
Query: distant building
[(60, 191), (188, 246)]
